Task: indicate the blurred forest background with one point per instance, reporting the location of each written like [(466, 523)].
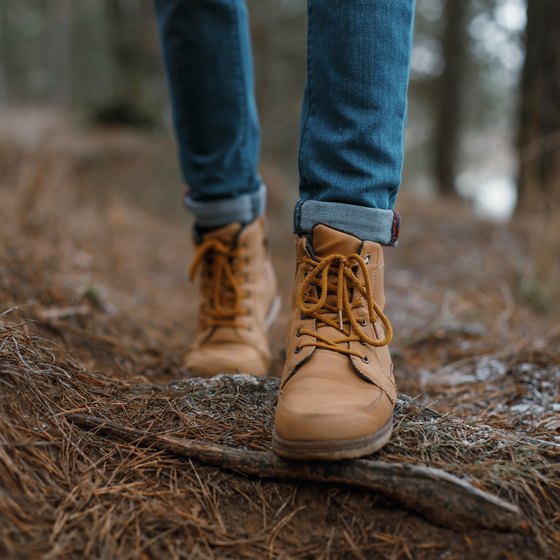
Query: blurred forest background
[(484, 115)]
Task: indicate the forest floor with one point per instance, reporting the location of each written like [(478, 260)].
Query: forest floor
[(95, 316)]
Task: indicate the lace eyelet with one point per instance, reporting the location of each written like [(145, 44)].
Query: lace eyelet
[(298, 332), (302, 316), (365, 359), (297, 350), (363, 321), (367, 258), (363, 343)]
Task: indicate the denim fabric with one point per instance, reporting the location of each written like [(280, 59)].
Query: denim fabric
[(353, 117), (367, 224), (354, 109), (207, 53), (243, 208)]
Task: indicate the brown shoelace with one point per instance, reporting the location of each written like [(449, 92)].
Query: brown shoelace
[(350, 293), (220, 283)]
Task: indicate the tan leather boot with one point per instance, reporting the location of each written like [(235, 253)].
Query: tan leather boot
[(337, 392), (239, 301)]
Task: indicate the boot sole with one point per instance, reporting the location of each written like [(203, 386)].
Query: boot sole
[(334, 450)]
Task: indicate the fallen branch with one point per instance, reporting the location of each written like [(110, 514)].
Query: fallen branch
[(439, 496)]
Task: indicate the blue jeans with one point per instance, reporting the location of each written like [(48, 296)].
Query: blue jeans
[(353, 118)]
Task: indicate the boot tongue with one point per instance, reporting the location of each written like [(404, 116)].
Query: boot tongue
[(226, 234), (328, 241)]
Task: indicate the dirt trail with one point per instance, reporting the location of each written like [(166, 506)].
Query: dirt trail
[(97, 313)]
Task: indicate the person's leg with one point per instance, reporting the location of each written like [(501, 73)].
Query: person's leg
[(338, 391), (207, 53), (353, 116)]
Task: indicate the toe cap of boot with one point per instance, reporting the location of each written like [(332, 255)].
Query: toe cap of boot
[(214, 359), (326, 410)]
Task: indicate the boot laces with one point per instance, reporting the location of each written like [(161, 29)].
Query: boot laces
[(221, 269), (337, 275)]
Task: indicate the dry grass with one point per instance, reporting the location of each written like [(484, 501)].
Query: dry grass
[(67, 492), (83, 494)]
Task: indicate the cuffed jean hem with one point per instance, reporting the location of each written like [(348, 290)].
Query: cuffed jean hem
[(367, 224), (244, 209)]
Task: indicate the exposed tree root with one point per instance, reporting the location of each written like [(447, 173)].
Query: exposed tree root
[(437, 495)]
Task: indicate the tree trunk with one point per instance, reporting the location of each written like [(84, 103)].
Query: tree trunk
[(3, 53), (59, 49), (450, 100), (539, 132)]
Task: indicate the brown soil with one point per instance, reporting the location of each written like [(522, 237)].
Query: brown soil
[(95, 315)]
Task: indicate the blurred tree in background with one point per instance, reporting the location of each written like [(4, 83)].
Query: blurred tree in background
[(539, 135), (101, 59), (450, 98)]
